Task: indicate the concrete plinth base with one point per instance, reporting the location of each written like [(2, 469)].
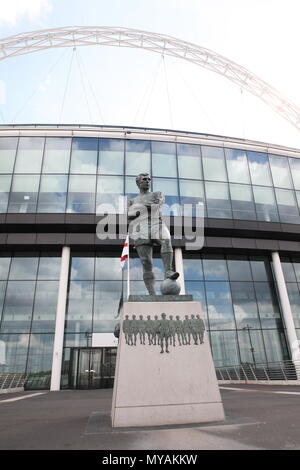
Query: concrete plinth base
[(154, 387)]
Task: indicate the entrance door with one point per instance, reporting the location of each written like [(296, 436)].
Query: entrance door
[(92, 368)]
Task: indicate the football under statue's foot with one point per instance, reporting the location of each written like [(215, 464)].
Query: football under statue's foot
[(172, 275)]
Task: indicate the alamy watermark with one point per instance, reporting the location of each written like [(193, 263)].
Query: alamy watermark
[(148, 223)]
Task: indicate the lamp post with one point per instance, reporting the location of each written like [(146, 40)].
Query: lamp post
[(248, 327)]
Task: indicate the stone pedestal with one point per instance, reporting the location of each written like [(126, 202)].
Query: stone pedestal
[(154, 388)]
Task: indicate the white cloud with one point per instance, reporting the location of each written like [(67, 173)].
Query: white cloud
[(13, 11)]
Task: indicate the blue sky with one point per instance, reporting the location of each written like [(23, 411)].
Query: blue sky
[(119, 86)]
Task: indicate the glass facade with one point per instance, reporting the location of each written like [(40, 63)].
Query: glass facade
[(63, 174)]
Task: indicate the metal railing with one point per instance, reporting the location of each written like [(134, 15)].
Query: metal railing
[(284, 370), (27, 381), (9, 381)]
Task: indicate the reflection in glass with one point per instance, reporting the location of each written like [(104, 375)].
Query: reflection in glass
[(8, 147), (111, 157), (169, 187), (217, 199), (23, 268), (295, 169), (49, 266), (40, 353), (5, 183), (57, 155), (296, 264), (280, 171), (260, 267), (259, 168), (224, 348), (219, 305), (237, 166), (214, 268), (108, 268), (197, 290), (288, 269), (244, 304), (84, 155), (192, 269), (4, 265), (294, 298), (242, 202), (287, 206), (17, 311), (79, 307), (189, 161), (45, 303), (81, 195), (106, 303), (137, 157), (16, 347), (82, 268), (267, 304), (53, 193), (265, 204), (164, 159), (239, 268), (275, 345), (23, 197), (214, 163), (110, 190), (192, 193), (29, 155), (251, 346)]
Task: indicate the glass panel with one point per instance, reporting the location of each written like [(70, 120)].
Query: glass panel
[(192, 269), (30, 154), (218, 201), (259, 168), (170, 189), (237, 166), (40, 354), (191, 192), (280, 171), (16, 347), (196, 289), (108, 268), (82, 268), (296, 264), (189, 161), (84, 155), (137, 157), (251, 346), (136, 271), (294, 297), (288, 270), (17, 310), (242, 202), (106, 303), (131, 188), (110, 190), (57, 155), (23, 197), (111, 157), (287, 206), (2, 296), (214, 164), (219, 305), (5, 183), (4, 265), (79, 307), (224, 348), (23, 268), (260, 267), (81, 196), (49, 267), (267, 304), (164, 159), (244, 304), (266, 207), (8, 146), (295, 169), (239, 268), (53, 193), (215, 268), (275, 346), (45, 304)]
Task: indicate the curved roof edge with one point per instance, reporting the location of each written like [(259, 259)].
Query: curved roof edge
[(142, 133)]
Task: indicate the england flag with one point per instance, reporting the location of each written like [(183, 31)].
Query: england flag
[(125, 252)]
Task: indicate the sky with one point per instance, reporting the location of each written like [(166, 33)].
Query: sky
[(133, 87)]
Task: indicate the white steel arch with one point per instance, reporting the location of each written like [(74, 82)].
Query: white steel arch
[(72, 36)]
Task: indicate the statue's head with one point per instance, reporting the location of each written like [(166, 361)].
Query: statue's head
[(143, 181)]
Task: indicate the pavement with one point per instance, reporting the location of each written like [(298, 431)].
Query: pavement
[(257, 417)]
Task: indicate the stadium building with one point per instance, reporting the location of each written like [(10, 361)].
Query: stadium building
[(61, 285)]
